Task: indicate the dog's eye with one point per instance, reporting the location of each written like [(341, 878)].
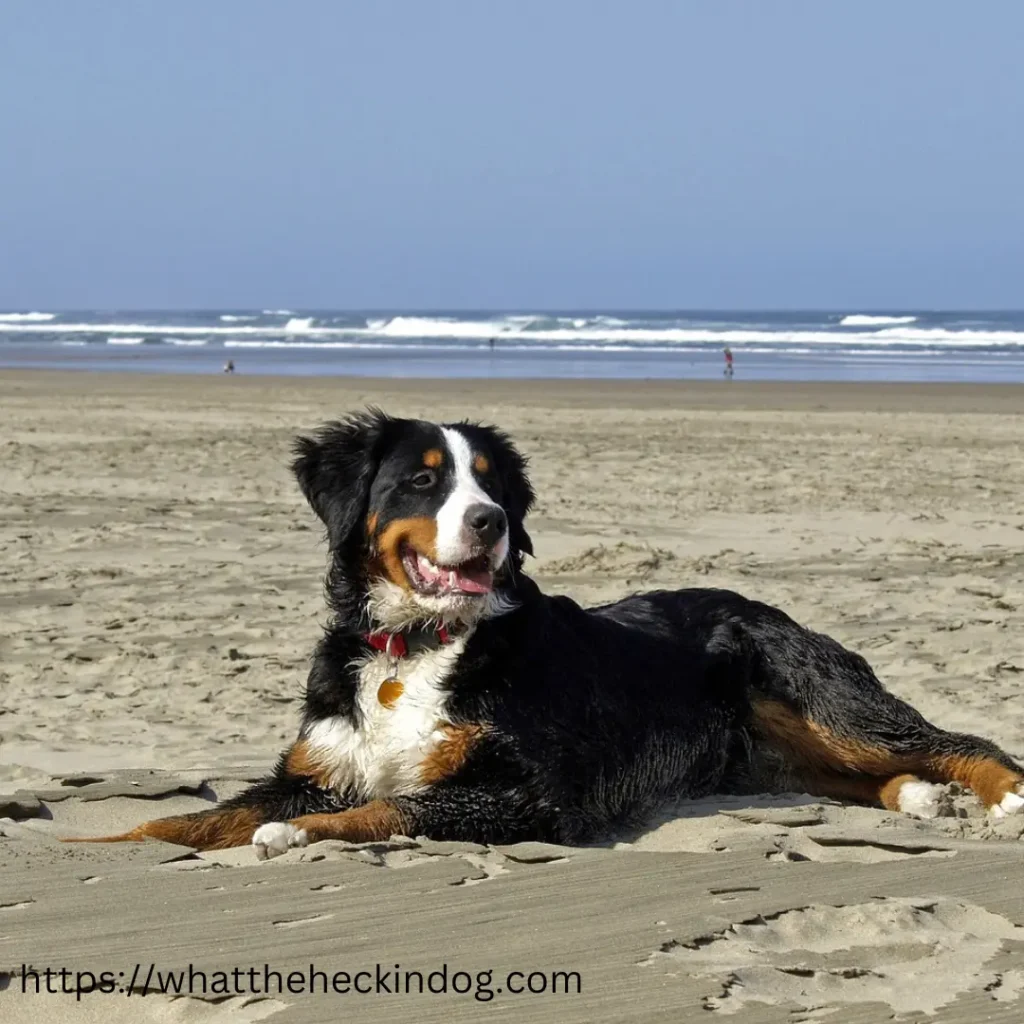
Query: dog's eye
[(424, 479)]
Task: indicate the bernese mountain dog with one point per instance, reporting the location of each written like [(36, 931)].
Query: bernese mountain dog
[(450, 698)]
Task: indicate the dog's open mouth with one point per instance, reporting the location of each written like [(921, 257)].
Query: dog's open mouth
[(471, 578)]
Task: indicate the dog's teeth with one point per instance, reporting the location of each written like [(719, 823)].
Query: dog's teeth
[(428, 570)]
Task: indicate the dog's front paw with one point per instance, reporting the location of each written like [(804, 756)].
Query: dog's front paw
[(277, 837), (1012, 803)]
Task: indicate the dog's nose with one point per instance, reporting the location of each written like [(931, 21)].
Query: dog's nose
[(487, 522)]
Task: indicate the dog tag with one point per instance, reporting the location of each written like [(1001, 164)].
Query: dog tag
[(390, 690)]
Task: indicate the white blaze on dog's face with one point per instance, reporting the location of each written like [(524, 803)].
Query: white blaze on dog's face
[(469, 518)]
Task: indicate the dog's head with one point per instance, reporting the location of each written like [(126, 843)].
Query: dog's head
[(424, 520)]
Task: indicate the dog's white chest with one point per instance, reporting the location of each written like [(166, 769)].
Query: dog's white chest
[(398, 726)]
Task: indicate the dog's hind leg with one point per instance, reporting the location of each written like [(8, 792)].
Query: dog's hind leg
[(905, 793), (824, 710), (981, 766), (885, 752)]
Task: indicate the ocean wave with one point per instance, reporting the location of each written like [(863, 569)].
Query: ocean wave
[(416, 331), (449, 327), (277, 312), (25, 318), (869, 320), (238, 343), (229, 318), (125, 341), (188, 342), (164, 329), (412, 327), (532, 322)]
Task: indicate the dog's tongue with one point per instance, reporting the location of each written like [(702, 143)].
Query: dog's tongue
[(471, 581)]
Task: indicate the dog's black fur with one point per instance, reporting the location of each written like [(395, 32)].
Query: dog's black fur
[(588, 719)]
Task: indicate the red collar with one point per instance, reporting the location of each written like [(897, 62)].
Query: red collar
[(397, 644)]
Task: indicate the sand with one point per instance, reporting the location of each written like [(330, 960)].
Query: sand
[(160, 594)]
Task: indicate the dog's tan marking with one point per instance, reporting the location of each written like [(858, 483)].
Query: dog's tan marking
[(863, 789), (989, 779), (377, 820), (811, 744), (371, 523), (433, 457), (889, 791), (389, 692), (213, 830), (481, 463), (451, 753), (304, 761), (420, 533)]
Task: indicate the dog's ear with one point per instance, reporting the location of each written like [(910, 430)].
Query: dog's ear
[(335, 468), (517, 492)]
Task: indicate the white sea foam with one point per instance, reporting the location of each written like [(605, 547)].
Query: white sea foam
[(167, 330), (25, 318), (533, 331), (448, 327), (868, 320), (508, 329), (125, 341), (188, 342), (277, 312), (237, 343), (228, 318)]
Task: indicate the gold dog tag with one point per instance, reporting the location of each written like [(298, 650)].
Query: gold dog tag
[(390, 690)]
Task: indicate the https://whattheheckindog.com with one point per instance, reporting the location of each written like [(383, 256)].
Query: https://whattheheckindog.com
[(144, 979)]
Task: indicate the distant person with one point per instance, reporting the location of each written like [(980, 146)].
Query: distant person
[(491, 343), (729, 369), (229, 366)]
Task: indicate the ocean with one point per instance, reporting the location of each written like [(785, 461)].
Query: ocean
[(904, 345)]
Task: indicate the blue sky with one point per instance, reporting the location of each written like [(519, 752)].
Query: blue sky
[(527, 154)]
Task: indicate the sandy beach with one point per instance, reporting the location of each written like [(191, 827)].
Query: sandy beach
[(160, 590)]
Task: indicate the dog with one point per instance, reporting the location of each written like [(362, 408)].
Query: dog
[(450, 698)]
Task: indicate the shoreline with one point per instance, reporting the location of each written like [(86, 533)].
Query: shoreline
[(823, 396), (523, 362)]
